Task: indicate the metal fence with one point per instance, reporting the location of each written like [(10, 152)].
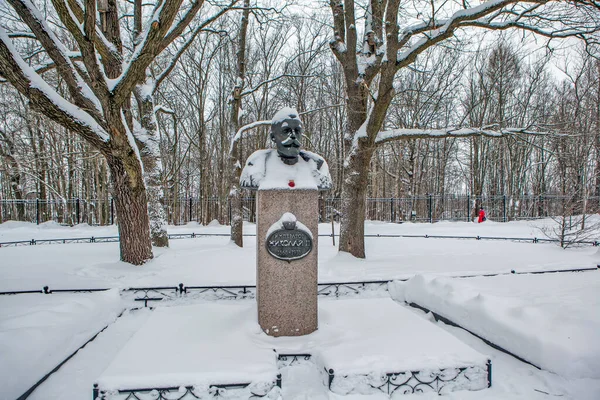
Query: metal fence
[(427, 208)]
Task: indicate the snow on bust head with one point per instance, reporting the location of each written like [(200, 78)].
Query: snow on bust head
[(287, 166)]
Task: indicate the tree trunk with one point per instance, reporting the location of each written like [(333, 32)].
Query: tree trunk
[(235, 194), (150, 153), (131, 205), (353, 207), (14, 174)]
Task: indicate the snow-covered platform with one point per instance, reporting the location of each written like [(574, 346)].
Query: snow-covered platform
[(362, 346), (551, 321)]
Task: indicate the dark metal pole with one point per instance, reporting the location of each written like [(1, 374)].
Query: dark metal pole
[(77, 210), (190, 211), (468, 208), (430, 207), (112, 212), (392, 214), (37, 211), (504, 208), (229, 208)]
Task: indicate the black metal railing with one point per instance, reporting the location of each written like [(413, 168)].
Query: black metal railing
[(175, 236), (421, 208), (152, 294)]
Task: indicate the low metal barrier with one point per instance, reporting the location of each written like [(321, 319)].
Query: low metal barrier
[(240, 292), (176, 236)]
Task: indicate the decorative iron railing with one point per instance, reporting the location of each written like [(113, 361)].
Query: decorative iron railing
[(149, 295), (175, 236), (422, 208)]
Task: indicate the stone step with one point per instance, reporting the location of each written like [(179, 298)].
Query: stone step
[(365, 346)]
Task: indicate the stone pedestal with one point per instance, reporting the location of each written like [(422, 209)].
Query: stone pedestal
[(286, 290)]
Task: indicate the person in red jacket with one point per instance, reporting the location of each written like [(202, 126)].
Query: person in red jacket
[(481, 215)]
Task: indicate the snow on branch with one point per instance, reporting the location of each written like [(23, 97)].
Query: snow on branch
[(22, 35), (246, 128), (78, 88), (163, 109), (42, 96), (453, 132), (149, 46), (549, 18), (439, 30), (105, 48)]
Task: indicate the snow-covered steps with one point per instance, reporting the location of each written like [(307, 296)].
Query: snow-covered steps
[(375, 346), (362, 346), (193, 351)]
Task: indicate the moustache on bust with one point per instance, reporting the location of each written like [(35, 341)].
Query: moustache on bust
[(289, 142)]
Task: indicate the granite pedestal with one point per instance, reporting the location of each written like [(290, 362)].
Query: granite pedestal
[(286, 290)]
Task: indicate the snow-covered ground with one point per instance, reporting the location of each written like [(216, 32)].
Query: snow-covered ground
[(537, 317), (38, 333), (554, 317), (215, 261)]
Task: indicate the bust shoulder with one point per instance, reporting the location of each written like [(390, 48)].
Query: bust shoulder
[(308, 155)]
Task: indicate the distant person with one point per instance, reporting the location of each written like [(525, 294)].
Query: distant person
[(482, 216)]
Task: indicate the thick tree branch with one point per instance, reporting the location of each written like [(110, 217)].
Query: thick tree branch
[(104, 47), (150, 46), (182, 24), (43, 98), (86, 44), (338, 44), (404, 134), (58, 53)]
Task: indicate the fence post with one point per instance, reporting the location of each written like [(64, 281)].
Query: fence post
[(468, 207), (229, 208), (112, 212), (77, 210), (190, 211), (504, 208), (430, 208), (392, 213), (37, 211)]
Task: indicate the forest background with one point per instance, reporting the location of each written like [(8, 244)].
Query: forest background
[(491, 80)]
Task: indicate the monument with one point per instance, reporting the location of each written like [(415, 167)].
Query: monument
[(287, 180)]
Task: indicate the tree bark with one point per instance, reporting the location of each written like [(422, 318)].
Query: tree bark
[(150, 153), (131, 205), (353, 207), (14, 174), (235, 161)]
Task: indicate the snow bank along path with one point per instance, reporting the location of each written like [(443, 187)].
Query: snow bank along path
[(552, 320)]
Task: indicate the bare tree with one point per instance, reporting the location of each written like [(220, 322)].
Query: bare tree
[(235, 195), (100, 77), (371, 59)]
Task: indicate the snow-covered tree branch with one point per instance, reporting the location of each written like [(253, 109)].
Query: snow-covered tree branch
[(100, 78)]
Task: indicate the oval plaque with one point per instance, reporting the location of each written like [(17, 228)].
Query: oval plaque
[(289, 244)]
